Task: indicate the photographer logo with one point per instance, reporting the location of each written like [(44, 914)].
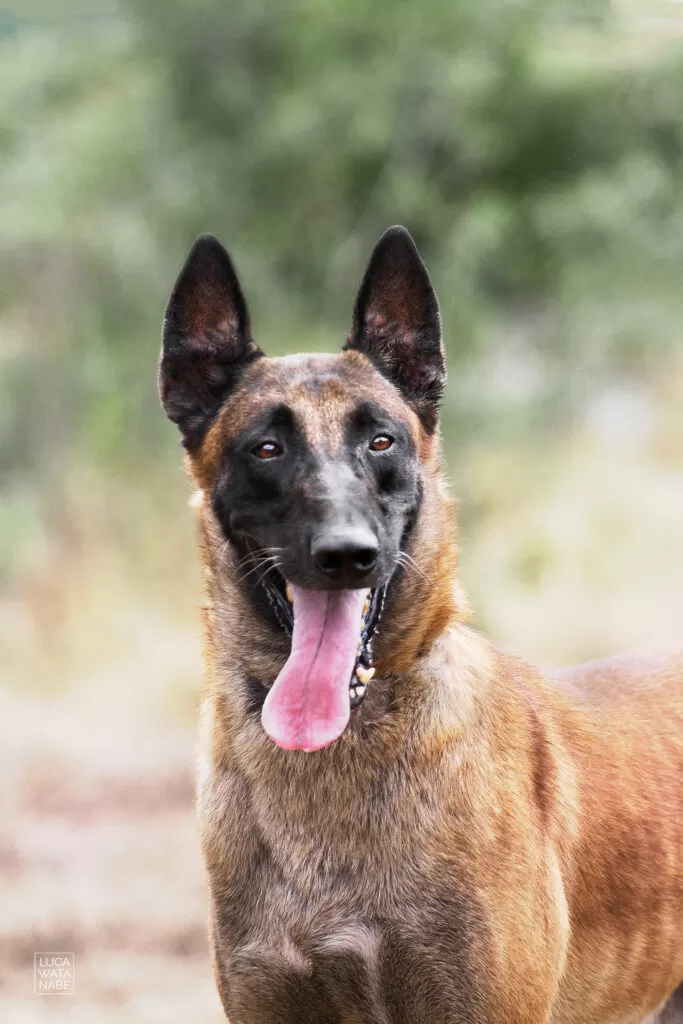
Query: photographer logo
[(53, 974)]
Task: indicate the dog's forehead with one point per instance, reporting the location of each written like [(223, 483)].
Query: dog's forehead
[(321, 391)]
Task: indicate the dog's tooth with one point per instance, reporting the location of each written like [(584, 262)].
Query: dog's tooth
[(366, 606), (288, 592), (360, 690), (365, 674)]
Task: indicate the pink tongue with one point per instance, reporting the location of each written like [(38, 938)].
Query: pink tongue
[(308, 705)]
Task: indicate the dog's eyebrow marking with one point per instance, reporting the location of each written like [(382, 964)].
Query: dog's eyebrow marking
[(366, 412), (279, 415), (265, 417)]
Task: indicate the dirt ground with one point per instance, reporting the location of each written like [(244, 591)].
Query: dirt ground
[(99, 857)]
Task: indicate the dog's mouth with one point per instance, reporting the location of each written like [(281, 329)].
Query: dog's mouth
[(329, 667)]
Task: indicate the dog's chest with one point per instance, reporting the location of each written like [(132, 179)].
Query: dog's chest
[(341, 917)]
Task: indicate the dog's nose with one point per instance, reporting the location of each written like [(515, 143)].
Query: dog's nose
[(346, 556)]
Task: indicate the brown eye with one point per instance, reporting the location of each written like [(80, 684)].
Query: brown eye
[(267, 450), (381, 443)]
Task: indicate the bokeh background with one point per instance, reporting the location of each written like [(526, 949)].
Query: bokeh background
[(535, 151)]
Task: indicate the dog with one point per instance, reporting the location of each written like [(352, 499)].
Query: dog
[(400, 824)]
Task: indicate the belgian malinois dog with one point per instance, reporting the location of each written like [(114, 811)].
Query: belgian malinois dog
[(401, 824)]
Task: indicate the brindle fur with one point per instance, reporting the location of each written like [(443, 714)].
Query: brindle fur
[(484, 844)]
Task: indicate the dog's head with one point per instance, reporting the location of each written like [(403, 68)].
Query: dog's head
[(313, 463)]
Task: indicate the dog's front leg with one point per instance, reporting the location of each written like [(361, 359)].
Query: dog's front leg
[(266, 982)]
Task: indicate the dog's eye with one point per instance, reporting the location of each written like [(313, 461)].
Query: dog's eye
[(267, 450), (381, 443)]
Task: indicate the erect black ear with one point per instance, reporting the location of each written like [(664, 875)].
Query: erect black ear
[(206, 339), (396, 323)]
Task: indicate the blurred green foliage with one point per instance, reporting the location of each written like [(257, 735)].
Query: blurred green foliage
[(536, 161)]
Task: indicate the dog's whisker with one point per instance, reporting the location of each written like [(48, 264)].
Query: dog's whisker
[(408, 562), (257, 553), (273, 559), (264, 574), (221, 556)]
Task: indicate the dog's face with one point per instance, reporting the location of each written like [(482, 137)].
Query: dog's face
[(324, 474), (312, 462)]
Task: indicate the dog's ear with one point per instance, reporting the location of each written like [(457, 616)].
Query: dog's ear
[(206, 339), (396, 324)]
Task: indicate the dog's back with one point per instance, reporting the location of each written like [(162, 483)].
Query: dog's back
[(654, 676)]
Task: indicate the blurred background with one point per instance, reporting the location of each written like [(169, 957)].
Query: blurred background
[(535, 151)]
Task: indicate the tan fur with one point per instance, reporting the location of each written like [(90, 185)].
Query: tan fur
[(484, 843)]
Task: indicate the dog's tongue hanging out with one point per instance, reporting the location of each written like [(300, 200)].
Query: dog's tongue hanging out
[(308, 705)]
